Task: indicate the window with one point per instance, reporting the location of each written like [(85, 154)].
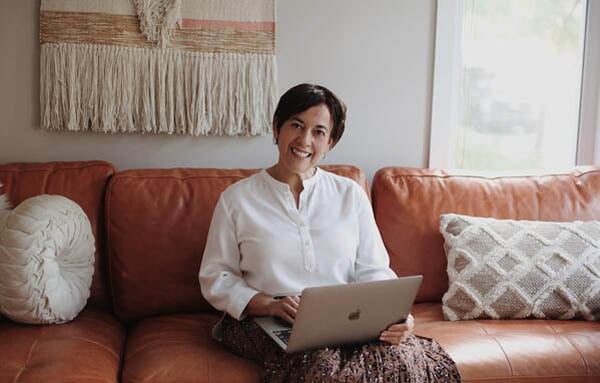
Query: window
[(515, 84)]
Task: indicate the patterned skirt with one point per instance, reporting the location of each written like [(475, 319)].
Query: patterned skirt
[(416, 359)]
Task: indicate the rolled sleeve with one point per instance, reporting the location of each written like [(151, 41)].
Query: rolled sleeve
[(238, 304), (372, 259), (220, 277)]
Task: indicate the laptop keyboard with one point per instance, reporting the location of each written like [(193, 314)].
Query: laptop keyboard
[(284, 335)]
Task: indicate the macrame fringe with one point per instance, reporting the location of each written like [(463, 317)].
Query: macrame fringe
[(126, 90)]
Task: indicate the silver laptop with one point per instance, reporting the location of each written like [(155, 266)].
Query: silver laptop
[(342, 314)]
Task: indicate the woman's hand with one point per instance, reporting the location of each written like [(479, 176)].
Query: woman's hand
[(396, 333), (263, 304), (285, 308)]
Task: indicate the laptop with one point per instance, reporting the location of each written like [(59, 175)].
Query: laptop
[(343, 314)]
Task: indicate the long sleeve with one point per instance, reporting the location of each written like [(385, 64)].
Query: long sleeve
[(372, 260), (220, 276)]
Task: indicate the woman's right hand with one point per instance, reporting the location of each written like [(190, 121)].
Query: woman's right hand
[(285, 308), (263, 305)]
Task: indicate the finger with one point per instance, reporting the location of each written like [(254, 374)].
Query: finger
[(289, 300), (397, 334), (390, 339), (282, 313), (397, 337), (292, 302), (410, 322), (290, 310), (287, 317), (398, 327)]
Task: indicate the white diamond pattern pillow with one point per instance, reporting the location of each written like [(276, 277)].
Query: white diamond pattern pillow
[(517, 269), (46, 260)]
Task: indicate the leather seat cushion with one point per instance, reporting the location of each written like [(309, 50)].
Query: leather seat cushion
[(85, 350), (179, 348), (521, 350)]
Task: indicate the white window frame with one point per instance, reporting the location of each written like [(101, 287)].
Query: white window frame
[(588, 148), (445, 90)]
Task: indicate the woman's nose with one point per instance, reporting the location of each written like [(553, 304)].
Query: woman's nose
[(305, 137)]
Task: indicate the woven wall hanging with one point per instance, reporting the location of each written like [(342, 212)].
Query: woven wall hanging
[(198, 67)]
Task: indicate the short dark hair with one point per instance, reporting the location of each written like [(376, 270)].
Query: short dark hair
[(304, 96)]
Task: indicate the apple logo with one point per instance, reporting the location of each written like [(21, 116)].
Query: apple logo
[(354, 314)]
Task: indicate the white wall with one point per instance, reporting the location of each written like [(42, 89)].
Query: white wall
[(377, 55)]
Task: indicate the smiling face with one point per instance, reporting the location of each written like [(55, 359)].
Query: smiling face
[(303, 140)]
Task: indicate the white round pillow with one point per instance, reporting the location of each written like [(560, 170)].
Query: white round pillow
[(46, 260)]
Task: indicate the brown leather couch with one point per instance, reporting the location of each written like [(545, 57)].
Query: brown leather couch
[(146, 320), (407, 205)]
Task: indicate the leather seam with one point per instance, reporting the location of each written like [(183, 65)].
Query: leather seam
[(26, 361), (575, 174), (125, 176), (53, 170), (45, 181), (108, 248), (482, 327), (587, 370), (141, 173), (512, 374), (521, 379), (111, 351)]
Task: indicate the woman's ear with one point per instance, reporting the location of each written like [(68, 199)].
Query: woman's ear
[(275, 132)]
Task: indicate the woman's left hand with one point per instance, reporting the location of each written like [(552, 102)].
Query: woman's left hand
[(396, 333)]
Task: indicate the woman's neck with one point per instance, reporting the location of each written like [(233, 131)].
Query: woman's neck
[(294, 180)]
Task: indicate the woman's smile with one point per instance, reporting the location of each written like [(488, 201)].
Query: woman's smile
[(300, 153)]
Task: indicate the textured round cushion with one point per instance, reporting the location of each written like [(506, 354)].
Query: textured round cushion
[(46, 260)]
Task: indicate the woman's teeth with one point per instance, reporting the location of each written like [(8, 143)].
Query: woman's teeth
[(301, 153)]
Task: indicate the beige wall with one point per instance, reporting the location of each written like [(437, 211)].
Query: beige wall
[(377, 55)]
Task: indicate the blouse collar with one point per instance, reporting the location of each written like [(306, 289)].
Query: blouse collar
[(307, 183)]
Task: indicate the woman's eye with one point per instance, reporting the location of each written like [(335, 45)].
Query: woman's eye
[(321, 132)]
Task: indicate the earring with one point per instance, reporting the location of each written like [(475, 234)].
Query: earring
[(324, 156)]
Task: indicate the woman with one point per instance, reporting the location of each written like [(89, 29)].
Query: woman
[(295, 225)]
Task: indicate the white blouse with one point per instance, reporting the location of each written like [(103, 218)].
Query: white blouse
[(259, 241)]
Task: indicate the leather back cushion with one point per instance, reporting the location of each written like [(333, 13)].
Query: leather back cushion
[(157, 222), (83, 182), (408, 203)]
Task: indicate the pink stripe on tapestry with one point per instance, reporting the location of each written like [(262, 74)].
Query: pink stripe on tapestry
[(263, 26)]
